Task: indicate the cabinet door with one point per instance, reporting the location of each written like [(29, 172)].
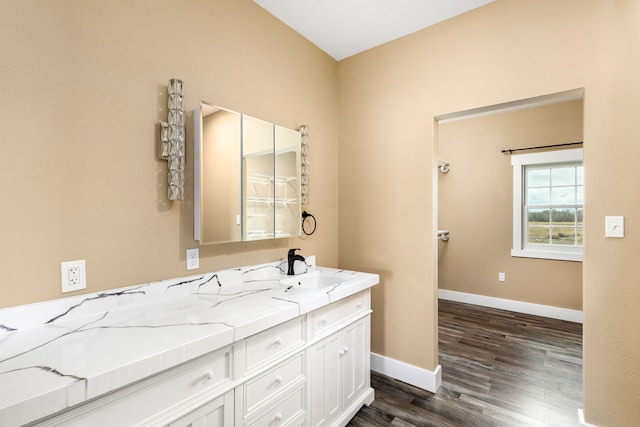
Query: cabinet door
[(355, 360), (325, 372), (216, 413)]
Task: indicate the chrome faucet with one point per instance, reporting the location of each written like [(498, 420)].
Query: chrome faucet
[(292, 257)]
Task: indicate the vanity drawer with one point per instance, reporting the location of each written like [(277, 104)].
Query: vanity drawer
[(153, 398), (288, 411), (267, 346), (259, 390), (326, 319)]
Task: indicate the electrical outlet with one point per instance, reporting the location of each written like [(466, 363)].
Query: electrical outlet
[(73, 275), (193, 259), (502, 277)]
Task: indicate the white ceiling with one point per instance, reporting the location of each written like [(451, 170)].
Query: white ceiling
[(343, 28)]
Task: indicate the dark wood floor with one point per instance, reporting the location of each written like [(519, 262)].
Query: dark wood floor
[(499, 368)]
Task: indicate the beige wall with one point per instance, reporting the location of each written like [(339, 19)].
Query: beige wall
[(83, 85), (475, 201), (501, 52)]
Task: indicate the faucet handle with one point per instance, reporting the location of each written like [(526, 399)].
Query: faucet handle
[(292, 252)]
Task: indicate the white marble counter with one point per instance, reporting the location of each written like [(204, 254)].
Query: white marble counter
[(59, 353)]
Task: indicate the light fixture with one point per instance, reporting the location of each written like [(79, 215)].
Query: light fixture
[(172, 138), (304, 164)]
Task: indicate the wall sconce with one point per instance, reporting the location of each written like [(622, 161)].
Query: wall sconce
[(172, 140), (304, 164)]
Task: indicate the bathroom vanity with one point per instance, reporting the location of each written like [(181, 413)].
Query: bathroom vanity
[(245, 347)]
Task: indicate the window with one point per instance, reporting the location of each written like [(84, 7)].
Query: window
[(548, 191)]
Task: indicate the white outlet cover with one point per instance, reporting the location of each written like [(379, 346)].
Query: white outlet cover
[(73, 275), (193, 259)]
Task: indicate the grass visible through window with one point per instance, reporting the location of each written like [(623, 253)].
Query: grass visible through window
[(556, 233)]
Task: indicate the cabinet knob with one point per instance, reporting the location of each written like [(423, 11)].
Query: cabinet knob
[(341, 353), (278, 379), (359, 304), (345, 350), (208, 375), (278, 341), (323, 321), (278, 417)]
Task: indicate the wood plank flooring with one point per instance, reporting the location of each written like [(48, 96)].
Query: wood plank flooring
[(499, 368)]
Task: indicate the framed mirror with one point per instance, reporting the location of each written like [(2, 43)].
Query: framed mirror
[(247, 177)]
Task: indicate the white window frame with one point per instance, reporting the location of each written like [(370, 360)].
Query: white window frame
[(518, 163)]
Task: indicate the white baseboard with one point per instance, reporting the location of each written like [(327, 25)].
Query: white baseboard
[(511, 305), (581, 419), (419, 377)]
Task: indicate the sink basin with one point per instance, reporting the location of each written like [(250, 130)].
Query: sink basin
[(314, 280)]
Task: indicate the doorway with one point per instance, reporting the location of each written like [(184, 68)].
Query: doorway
[(474, 199), (475, 204)]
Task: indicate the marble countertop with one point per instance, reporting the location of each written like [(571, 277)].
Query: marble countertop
[(60, 353)]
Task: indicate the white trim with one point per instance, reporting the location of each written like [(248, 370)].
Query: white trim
[(581, 419), (512, 305), (560, 156), (419, 377), (555, 255), (537, 101)]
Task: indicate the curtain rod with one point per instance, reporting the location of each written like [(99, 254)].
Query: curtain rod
[(511, 150)]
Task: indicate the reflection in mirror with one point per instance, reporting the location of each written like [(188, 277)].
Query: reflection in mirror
[(257, 166), (219, 204), (246, 177), (287, 182)]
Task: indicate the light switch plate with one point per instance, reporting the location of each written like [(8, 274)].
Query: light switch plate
[(614, 226)]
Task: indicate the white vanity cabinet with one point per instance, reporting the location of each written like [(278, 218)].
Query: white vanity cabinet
[(310, 370), (339, 363), (161, 398), (272, 365), (216, 413)]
